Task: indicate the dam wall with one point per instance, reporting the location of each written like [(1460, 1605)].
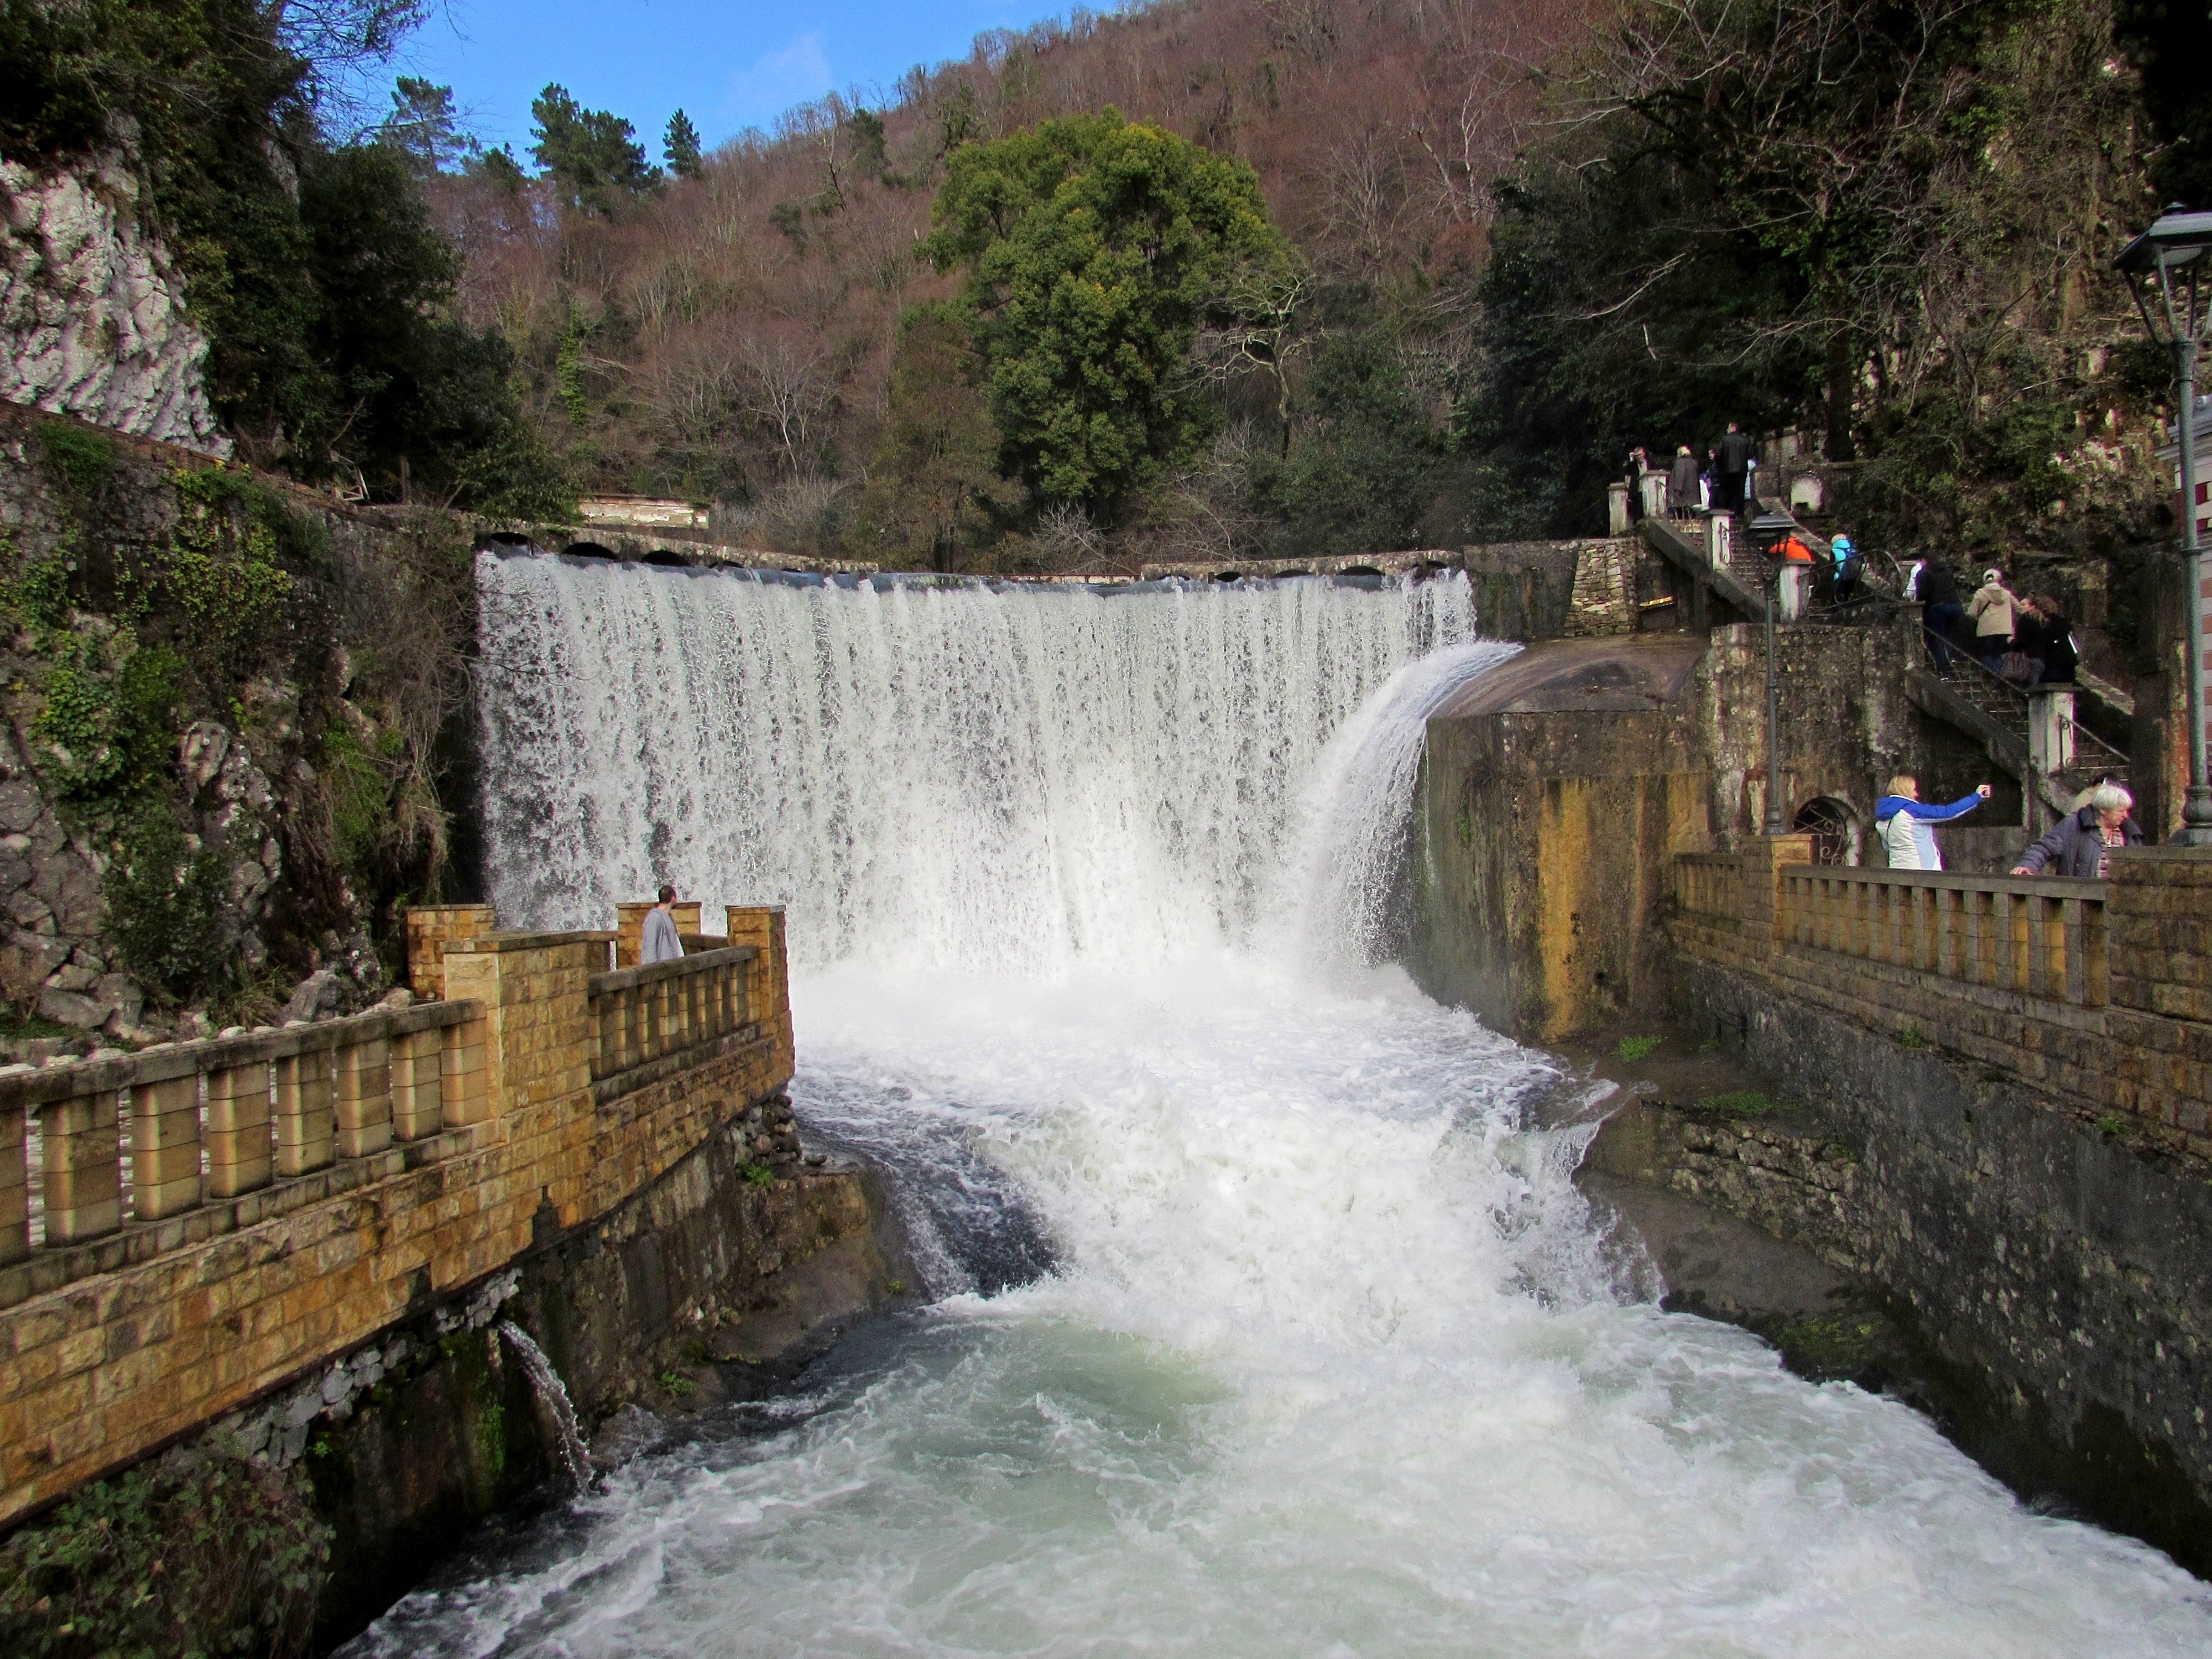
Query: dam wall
[(2019, 1065)]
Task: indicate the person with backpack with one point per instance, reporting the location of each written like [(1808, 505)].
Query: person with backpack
[(1907, 824), (1847, 565)]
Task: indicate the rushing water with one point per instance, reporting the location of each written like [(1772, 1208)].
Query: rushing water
[(1268, 1319)]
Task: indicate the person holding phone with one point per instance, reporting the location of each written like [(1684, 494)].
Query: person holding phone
[(1907, 824)]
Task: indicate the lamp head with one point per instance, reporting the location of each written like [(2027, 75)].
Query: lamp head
[(1768, 529), (2165, 267)]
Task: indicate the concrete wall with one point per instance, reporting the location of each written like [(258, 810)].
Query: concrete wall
[(1557, 787)]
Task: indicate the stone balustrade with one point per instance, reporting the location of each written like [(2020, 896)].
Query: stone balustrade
[(2096, 994), (662, 1010), (2042, 937), (187, 1230), (92, 1148)]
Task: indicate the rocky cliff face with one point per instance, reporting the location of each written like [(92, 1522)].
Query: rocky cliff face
[(91, 320)]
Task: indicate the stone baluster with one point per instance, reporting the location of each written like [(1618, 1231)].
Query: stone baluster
[(465, 1093), (83, 1174), (237, 1129), (14, 1185), (306, 1134), (417, 1084), (165, 1148), (361, 1101)]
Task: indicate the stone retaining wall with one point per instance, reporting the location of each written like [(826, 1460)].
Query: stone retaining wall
[(2024, 1078), (176, 1328)]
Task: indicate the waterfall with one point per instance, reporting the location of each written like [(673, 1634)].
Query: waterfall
[(1267, 1317), (556, 1415), (987, 777)]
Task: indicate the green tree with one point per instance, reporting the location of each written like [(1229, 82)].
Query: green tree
[(594, 154), (412, 383), (1096, 250), (934, 485), (680, 146), (423, 128), (1883, 218), (1365, 468)]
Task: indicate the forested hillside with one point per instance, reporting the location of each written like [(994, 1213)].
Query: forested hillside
[(1432, 268), (732, 334)]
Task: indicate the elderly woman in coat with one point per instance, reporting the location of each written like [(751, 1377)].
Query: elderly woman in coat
[(2081, 842)]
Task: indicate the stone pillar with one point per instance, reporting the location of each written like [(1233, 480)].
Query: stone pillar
[(165, 1148), (1719, 529), (1653, 488), (1617, 519), (362, 1103), (307, 1132), (1766, 860), (2051, 728), (83, 1174), (239, 1148), (1795, 595), (2158, 923), (768, 986), (418, 1091), (15, 1186), (429, 927), (535, 992)]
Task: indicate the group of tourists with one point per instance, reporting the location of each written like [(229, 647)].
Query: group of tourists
[(2080, 844), (1720, 483), (2027, 640)]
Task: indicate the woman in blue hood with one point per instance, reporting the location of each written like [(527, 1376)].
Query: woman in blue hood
[(1907, 824)]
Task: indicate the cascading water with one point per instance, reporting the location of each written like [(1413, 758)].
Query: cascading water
[(1329, 1358), (556, 1413)]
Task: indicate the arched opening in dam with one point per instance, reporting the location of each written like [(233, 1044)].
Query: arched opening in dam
[(1263, 1316)]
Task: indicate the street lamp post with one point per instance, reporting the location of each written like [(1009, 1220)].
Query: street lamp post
[(1767, 531), (2164, 266)]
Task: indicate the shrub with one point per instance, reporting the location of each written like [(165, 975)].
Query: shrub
[(81, 455), (1634, 1048), (1742, 1102), (164, 905), (204, 1553)]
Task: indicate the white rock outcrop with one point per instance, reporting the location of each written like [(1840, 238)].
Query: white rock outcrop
[(91, 320)]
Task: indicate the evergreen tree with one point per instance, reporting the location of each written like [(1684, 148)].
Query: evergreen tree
[(592, 154), (1096, 250), (680, 146), (935, 484), (422, 127)]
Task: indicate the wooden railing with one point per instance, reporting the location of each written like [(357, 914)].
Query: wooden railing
[(642, 1015), (2039, 936), (92, 1146), (1710, 884)]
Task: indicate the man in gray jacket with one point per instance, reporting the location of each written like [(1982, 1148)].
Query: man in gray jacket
[(2080, 843), (657, 940)]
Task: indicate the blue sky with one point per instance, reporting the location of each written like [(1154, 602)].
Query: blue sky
[(728, 66)]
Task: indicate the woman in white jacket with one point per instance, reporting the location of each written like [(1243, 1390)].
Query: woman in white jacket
[(1907, 824)]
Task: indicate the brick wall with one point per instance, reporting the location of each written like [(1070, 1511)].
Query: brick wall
[(179, 1327)]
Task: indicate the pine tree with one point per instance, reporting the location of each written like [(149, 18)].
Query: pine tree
[(422, 127), (591, 152), (680, 146)]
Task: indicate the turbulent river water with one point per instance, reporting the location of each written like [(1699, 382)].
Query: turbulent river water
[(1264, 1318)]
